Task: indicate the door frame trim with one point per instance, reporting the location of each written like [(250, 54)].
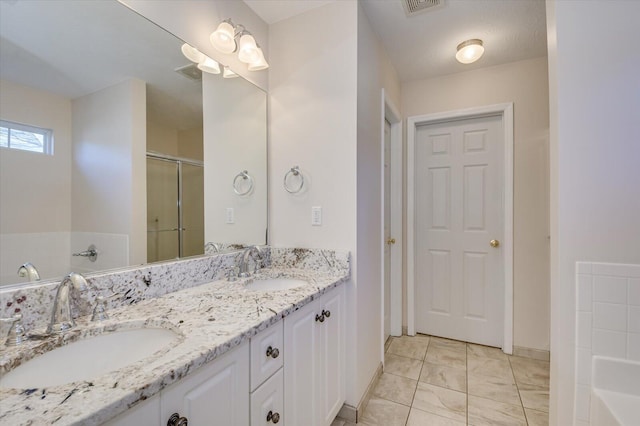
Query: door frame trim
[(505, 110), (391, 113)]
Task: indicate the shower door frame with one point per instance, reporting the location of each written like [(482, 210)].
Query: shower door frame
[(179, 161)]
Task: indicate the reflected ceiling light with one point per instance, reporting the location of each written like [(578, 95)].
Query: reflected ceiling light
[(209, 65), (224, 38), (469, 51), (191, 53), (234, 38), (228, 73)]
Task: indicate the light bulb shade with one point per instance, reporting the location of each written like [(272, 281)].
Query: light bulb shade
[(191, 53), (209, 65), (469, 51), (223, 38), (248, 51), (259, 64), (228, 73)]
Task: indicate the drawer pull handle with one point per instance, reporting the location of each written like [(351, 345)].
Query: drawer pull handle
[(273, 417), (176, 420), (326, 313), (319, 318), (273, 352)]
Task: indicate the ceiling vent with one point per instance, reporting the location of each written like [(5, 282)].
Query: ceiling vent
[(413, 7), (191, 71)]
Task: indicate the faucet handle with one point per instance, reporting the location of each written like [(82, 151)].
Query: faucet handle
[(100, 310), (16, 334)]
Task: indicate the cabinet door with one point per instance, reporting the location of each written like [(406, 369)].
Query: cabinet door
[(216, 396), (333, 355), (302, 359), (266, 354), (267, 402)]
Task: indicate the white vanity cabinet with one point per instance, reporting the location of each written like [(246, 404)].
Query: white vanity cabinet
[(291, 373), (314, 341), (215, 395)]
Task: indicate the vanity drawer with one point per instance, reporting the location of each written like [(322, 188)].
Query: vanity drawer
[(266, 354), (267, 402)]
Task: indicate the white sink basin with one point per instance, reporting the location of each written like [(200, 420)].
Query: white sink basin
[(275, 284), (88, 358)]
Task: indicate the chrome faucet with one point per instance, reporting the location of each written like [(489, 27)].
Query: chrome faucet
[(61, 317), (29, 271), (250, 251)]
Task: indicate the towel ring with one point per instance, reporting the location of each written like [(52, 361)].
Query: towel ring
[(244, 175), (295, 171)]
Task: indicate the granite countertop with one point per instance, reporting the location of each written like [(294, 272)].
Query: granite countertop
[(211, 319)]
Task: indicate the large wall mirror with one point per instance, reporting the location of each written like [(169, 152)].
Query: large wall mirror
[(111, 140)]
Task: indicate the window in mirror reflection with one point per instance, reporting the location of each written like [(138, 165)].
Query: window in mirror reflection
[(25, 137)]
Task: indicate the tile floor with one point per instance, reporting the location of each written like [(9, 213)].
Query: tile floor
[(430, 381)]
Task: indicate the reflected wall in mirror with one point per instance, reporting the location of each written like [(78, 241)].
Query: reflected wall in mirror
[(120, 100)]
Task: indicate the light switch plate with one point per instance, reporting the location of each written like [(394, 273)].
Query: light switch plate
[(231, 218), (316, 216)]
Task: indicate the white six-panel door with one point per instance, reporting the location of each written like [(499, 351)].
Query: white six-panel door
[(459, 186)]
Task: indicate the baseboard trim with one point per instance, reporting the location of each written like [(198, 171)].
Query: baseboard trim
[(351, 413), (539, 354)]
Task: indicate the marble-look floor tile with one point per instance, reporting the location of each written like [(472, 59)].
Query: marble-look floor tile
[(443, 376), (531, 371), (402, 366), (395, 388), (480, 351), (536, 418), (490, 367), (443, 402), (423, 418), (388, 343), (454, 345), (380, 412), (448, 357), (534, 397), (494, 388), (486, 412), (409, 347)]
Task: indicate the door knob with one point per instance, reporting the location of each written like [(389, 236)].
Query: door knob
[(391, 241), (494, 243)]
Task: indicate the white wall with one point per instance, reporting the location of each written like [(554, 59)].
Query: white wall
[(313, 116), (35, 189), (525, 84), (109, 165), (235, 139), (595, 178), (374, 73), (194, 21)]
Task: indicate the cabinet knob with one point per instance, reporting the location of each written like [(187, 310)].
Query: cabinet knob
[(273, 417), (326, 313), (273, 352), (176, 420), (320, 318)]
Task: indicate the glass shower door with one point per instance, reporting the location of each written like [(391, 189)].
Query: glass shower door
[(163, 216)]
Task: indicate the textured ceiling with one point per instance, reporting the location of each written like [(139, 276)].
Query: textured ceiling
[(424, 45)]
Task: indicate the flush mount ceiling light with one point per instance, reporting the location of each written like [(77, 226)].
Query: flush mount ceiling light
[(234, 38), (469, 51)]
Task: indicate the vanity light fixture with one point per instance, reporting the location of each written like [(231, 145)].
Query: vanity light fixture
[(469, 51), (234, 38), (205, 63), (228, 73)]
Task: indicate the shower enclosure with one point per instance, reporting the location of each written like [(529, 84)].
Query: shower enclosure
[(175, 207)]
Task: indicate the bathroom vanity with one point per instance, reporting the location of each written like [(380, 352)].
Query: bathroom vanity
[(243, 354)]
